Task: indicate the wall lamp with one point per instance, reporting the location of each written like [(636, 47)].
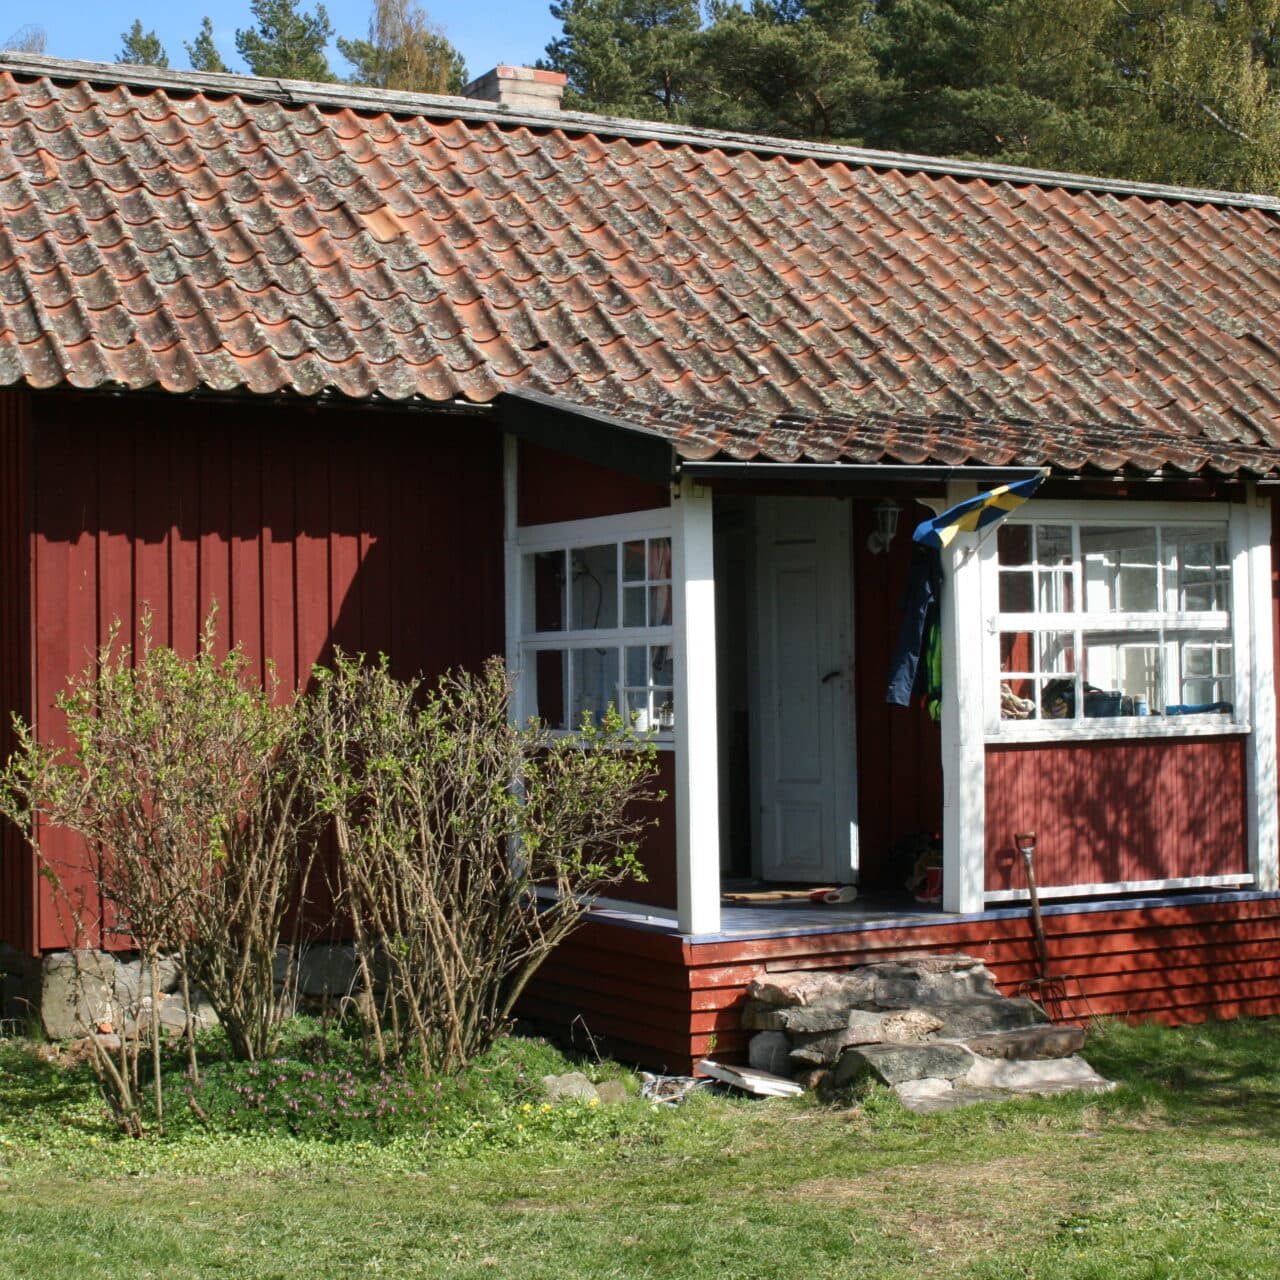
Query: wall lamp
[(886, 512)]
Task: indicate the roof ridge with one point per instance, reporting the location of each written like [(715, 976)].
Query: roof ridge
[(337, 95)]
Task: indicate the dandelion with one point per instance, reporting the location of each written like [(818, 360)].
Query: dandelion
[(594, 1102)]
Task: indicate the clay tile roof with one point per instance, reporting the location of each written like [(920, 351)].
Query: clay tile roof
[(743, 298)]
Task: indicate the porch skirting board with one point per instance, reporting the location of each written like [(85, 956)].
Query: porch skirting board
[(663, 1000)]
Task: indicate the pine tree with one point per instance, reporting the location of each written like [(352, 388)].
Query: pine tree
[(404, 51), (142, 48), (202, 53), (629, 57), (800, 69), (286, 43)]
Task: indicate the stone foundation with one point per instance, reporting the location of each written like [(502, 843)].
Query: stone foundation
[(113, 989), (934, 1029)]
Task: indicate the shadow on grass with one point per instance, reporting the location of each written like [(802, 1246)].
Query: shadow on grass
[(1219, 1075)]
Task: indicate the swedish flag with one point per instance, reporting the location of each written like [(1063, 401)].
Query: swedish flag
[(976, 513)]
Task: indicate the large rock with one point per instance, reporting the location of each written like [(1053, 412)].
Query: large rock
[(808, 988), (770, 1051), (931, 1095), (133, 981), (823, 1049), (573, 1084), (1045, 1041), (77, 993), (905, 985), (800, 1020), (321, 970), (995, 1013), (1048, 1076), (895, 1063)]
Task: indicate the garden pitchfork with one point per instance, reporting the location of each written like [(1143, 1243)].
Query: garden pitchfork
[(1048, 992)]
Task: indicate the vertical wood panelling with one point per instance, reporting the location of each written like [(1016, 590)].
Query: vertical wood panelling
[(17, 866), (899, 748), (306, 528), (554, 486), (1116, 812)]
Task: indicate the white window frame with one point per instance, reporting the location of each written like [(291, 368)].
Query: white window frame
[(1112, 514), (570, 535)]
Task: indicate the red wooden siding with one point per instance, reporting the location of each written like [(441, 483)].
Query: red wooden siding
[(899, 748), (658, 848), (1116, 812), (17, 864), (555, 486), (310, 529), (664, 1002)]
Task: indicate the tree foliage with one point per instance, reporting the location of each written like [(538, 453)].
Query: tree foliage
[(1184, 91), (30, 38), (202, 53), (629, 57), (286, 42), (142, 48), (404, 50)]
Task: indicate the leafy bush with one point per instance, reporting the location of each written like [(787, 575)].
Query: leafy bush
[(183, 782), (468, 845)]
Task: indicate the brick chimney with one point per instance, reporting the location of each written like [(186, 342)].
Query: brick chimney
[(520, 88)]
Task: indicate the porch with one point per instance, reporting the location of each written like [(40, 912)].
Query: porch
[(641, 989), (747, 622)]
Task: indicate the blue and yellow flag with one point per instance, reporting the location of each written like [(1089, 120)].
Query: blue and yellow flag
[(976, 513)]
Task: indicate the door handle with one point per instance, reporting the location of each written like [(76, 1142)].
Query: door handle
[(831, 675)]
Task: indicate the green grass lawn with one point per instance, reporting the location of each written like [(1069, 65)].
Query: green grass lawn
[(1176, 1174)]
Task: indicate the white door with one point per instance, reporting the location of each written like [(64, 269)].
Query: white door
[(803, 721)]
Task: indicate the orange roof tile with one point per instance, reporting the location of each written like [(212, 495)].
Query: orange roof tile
[(745, 298)]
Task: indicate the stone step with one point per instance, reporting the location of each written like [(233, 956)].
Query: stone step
[(969, 1018), (1032, 1043), (1054, 1075), (897, 1063)]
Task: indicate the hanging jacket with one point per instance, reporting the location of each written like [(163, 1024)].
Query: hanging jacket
[(915, 668)]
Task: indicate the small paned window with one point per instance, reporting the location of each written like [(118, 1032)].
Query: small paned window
[(1104, 620), (596, 633)]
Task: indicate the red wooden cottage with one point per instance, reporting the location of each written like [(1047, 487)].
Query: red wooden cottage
[(639, 406)]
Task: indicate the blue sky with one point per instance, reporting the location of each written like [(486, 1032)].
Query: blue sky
[(487, 31)]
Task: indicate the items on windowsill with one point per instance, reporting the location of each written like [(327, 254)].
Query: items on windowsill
[(1013, 707)]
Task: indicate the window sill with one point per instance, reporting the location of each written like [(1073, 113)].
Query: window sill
[(660, 741), (1105, 729)]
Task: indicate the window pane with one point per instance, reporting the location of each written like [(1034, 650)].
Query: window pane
[(1121, 573), (1017, 592), (659, 606), (633, 561), (1017, 700), (659, 559), (1123, 674), (1057, 651), (1197, 568), (1053, 546), (595, 685), (551, 678), (546, 603), (633, 606), (1013, 544), (662, 665), (1016, 651), (1206, 684), (594, 597)]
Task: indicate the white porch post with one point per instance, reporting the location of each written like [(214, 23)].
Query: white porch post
[(697, 774), (963, 761), (1264, 835)]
